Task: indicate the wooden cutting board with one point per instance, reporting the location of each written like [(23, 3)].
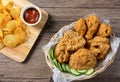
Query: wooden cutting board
[(20, 52)]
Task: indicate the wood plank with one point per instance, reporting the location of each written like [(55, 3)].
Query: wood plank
[(78, 3), (64, 14), (24, 80), (35, 67)]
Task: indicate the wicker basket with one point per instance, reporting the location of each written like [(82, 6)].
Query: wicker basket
[(99, 68)]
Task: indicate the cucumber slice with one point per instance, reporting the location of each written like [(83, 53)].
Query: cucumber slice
[(89, 71), (82, 71), (64, 67), (51, 53), (59, 66), (55, 62), (67, 68), (73, 71)]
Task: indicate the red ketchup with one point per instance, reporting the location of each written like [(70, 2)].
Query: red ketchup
[(31, 15)]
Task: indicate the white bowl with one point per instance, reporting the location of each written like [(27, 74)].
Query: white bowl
[(27, 7)]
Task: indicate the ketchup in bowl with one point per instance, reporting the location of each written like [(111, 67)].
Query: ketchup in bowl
[(31, 15)]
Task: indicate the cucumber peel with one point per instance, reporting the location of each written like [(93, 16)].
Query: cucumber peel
[(64, 67), (82, 71), (51, 53), (68, 68), (55, 62), (74, 72), (60, 67), (89, 71)]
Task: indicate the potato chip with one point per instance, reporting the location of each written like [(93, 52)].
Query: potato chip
[(10, 40), (15, 12), (1, 34), (1, 8), (6, 33), (20, 34), (7, 3), (8, 17), (20, 23), (5, 12), (1, 45), (10, 26), (2, 20)]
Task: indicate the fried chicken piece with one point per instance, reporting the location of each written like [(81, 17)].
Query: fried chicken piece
[(74, 41), (61, 53), (80, 27), (100, 39), (100, 47), (100, 50), (104, 30), (82, 59), (70, 42), (92, 24)]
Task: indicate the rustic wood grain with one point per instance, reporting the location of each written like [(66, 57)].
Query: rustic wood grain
[(78, 3), (62, 12)]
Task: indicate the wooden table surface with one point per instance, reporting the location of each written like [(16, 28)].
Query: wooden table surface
[(62, 12)]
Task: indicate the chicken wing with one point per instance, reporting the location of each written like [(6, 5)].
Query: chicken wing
[(80, 27), (92, 24)]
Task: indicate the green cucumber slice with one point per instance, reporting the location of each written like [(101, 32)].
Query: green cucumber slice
[(60, 67), (64, 67), (89, 71), (73, 71), (55, 62), (67, 68), (51, 53), (82, 71)]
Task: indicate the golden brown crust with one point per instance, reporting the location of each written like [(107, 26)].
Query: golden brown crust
[(82, 59), (104, 30), (92, 24), (80, 27), (100, 39), (70, 42), (100, 47)]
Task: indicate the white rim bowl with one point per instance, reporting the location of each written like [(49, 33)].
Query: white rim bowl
[(27, 7)]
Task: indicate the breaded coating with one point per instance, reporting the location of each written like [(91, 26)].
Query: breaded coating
[(73, 40), (82, 59), (70, 42), (104, 30), (100, 47), (92, 24), (100, 39), (100, 50), (61, 53), (80, 27)]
